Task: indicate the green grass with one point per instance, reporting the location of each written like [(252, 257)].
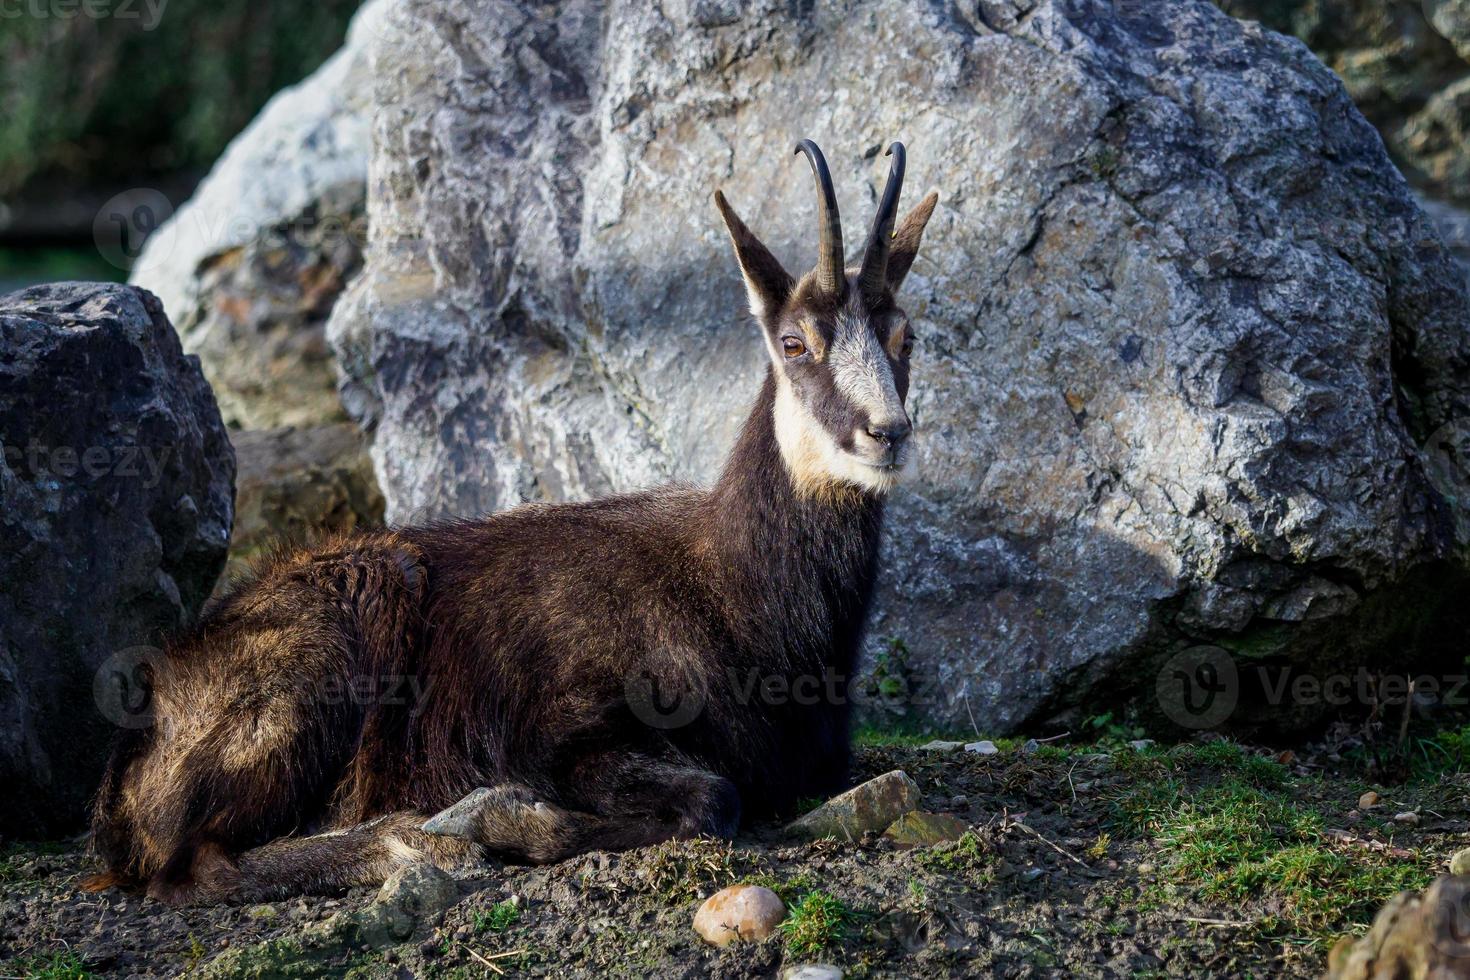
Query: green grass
[(498, 918), (59, 966), (816, 922), (1230, 826), (869, 737), (1236, 841)]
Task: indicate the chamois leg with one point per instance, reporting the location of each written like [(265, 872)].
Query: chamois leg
[(320, 864), (615, 801)]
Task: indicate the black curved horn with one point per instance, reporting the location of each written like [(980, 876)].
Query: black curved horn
[(831, 277), (871, 280)]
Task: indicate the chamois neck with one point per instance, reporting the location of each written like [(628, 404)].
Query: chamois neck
[(803, 549)]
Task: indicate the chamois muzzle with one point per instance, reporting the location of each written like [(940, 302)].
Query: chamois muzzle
[(831, 274), (873, 279)]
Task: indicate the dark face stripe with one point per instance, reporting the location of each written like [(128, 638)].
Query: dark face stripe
[(853, 374)]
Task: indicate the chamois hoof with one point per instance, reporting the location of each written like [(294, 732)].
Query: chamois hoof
[(458, 820)]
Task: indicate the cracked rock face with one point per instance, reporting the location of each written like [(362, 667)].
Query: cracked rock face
[(1192, 363), (116, 489)]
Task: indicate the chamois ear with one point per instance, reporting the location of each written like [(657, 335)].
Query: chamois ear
[(906, 240), (766, 283)]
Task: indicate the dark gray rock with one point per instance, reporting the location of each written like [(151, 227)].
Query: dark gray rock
[(1193, 365), (116, 488)]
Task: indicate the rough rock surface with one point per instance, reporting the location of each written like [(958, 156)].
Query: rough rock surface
[(1405, 62), (869, 806), (1415, 935), (920, 828), (1192, 365), (294, 483), (250, 267), (116, 485), (740, 912)]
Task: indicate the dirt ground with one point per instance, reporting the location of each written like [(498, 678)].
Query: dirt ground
[(1103, 859)]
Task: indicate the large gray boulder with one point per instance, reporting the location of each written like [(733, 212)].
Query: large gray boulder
[(116, 486), (249, 268), (1193, 365), (1406, 63)]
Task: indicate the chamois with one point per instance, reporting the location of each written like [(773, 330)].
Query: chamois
[(545, 644)]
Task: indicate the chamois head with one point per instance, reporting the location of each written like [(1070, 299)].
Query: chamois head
[(839, 344)]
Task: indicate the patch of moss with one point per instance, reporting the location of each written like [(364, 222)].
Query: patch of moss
[(788, 889), (969, 853)]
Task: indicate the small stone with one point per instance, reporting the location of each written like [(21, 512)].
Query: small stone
[(1031, 747), (1145, 868), (918, 828), (1460, 863), (1369, 800), (420, 888), (268, 913), (940, 745), (811, 971), (872, 806), (740, 912), (983, 747), (1408, 818), (1139, 744)]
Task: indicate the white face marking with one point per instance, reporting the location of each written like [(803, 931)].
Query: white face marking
[(861, 372), (814, 460)]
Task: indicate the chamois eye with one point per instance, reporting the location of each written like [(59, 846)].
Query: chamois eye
[(792, 347)]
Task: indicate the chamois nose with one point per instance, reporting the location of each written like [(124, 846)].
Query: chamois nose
[(890, 432)]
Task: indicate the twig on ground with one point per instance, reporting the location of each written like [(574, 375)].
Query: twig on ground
[(1051, 844), (1218, 923)]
